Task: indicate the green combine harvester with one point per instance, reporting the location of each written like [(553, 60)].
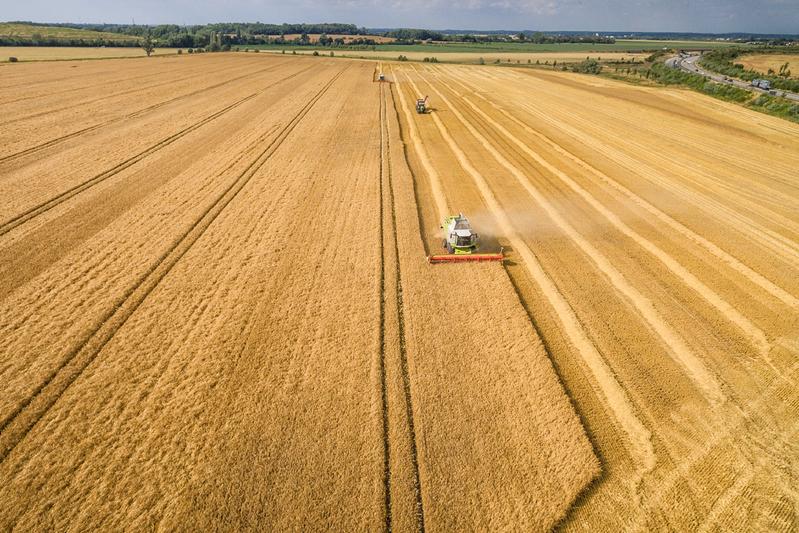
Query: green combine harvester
[(461, 243)]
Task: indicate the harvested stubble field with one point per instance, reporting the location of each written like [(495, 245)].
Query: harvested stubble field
[(215, 309), (764, 62), (654, 240)]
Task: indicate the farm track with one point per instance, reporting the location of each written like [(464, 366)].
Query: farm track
[(14, 428), (29, 214), (136, 114)]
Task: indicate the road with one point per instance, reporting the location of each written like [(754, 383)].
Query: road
[(690, 64)]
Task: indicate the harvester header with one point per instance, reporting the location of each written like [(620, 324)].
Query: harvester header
[(461, 243)]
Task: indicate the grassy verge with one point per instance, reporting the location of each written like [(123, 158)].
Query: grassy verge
[(774, 105)]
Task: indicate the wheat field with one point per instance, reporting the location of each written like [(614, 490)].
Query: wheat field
[(63, 53), (216, 310), (764, 62)]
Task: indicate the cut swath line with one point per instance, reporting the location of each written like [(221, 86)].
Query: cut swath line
[(25, 216), (728, 259), (765, 236), (639, 438), (19, 422), (778, 244), (756, 336), (690, 362)]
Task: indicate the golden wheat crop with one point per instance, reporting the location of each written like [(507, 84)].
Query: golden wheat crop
[(216, 313)]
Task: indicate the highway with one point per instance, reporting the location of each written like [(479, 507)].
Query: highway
[(690, 64)]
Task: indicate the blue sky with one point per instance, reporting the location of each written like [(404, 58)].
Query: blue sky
[(762, 16)]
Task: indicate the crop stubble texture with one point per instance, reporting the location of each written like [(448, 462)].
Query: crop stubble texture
[(693, 202)]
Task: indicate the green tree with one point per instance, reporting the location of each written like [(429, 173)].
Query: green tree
[(148, 45)]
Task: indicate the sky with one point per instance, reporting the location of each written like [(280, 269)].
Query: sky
[(716, 16)]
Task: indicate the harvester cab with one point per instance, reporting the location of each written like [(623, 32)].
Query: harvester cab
[(458, 235), (461, 242), (421, 105)]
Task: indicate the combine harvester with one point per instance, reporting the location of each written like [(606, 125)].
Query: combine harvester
[(461, 243), (421, 105)]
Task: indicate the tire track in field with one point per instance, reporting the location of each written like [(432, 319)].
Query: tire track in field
[(435, 181), (403, 349), (35, 211), (702, 242), (135, 114), (100, 99), (640, 444), (61, 79), (17, 424), (83, 87), (778, 243), (756, 336), (384, 169), (683, 354)]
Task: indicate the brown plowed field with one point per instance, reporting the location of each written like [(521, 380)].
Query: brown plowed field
[(653, 237), (216, 313)]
